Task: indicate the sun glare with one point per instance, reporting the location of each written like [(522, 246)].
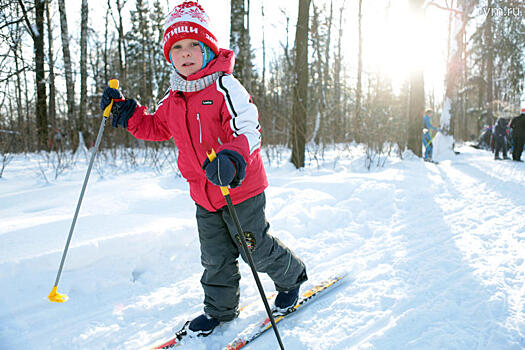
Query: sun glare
[(392, 47)]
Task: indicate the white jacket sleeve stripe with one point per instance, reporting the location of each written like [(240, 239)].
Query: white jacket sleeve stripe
[(245, 117)]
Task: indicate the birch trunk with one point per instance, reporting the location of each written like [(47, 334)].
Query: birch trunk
[(337, 76), (50, 55), (68, 68), (358, 90), (82, 118), (240, 42)]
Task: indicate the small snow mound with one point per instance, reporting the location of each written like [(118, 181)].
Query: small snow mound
[(443, 147)]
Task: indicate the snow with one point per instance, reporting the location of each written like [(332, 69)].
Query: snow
[(444, 144), (434, 255), (443, 147), (446, 114)]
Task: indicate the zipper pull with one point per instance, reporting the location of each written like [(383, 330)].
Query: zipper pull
[(200, 128)]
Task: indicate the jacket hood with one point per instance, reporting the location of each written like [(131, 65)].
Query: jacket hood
[(224, 62)]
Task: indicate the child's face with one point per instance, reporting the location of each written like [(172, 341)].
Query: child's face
[(187, 56)]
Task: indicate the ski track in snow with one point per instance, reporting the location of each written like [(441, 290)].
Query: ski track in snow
[(434, 256)]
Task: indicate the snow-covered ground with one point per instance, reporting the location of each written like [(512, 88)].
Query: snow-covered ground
[(434, 256)]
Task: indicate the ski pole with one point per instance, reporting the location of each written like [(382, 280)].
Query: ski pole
[(58, 297), (226, 193), (432, 141)]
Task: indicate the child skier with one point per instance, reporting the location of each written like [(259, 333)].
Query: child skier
[(207, 108)]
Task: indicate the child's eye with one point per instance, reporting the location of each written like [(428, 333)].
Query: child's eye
[(176, 47), (195, 44)]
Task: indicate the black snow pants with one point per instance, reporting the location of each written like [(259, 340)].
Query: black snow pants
[(500, 144), (518, 147), (220, 249)]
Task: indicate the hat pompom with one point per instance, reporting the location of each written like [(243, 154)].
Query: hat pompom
[(188, 21)]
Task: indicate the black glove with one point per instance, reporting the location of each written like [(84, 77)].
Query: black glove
[(228, 168), (122, 108)]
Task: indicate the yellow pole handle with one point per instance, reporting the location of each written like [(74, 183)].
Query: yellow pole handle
[(113, 83), (211, 156)]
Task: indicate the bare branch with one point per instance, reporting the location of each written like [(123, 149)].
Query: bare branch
[(28, 24), (13, 74), (447, 8), (7, 24)]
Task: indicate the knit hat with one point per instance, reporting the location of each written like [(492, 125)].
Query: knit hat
[(188, 21)]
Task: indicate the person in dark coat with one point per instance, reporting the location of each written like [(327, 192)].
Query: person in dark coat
[(517, 124), (500, 138)]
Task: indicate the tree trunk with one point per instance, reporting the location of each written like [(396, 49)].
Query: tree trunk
[(328, 48), (416, 105), (52, 89), (82, 118), (106, 51), (68, 68), (490, 61), (320, 105), (358, 90), (263, 53), (121, 44), (338, 102), (240, 42), (15, 47), (40, 78), (327, 77), (299, 109)]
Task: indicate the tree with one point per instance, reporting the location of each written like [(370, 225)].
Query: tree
[(358, 91), (416, 104), (161, 68), (82, 118), (338, 81), (14, 35), (37, 34), (318, 97), (299, 109), (240, 41), (139, 53), (490, 61), (52, 88), (119, 24), (68, 67)]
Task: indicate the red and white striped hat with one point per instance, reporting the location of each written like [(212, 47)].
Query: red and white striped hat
[(188, 21)]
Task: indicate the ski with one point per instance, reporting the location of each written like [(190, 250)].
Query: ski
[(182, 335), (173, 342), (256, 329)]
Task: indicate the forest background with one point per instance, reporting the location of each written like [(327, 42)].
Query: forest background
[(320, 72)]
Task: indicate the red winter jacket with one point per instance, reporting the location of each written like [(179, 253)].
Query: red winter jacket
[(220, 116)]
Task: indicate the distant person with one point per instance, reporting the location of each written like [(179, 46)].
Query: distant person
[(485, 138), (427, 136), (517, 124), (56, 140), (500, 138)]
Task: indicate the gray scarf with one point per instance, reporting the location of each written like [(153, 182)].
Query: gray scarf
[(178, 83)]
